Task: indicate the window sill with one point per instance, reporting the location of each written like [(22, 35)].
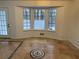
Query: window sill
[(39, 30)]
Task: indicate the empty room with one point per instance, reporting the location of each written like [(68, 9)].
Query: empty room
[(39, 29)]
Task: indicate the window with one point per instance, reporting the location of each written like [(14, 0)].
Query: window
[(26, 17), (52, 18), (3, 22), (39, 19)]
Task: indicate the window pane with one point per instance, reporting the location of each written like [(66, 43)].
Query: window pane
[(26, 15), (39, 25), (52, 18), (3, 23), (39, 22)]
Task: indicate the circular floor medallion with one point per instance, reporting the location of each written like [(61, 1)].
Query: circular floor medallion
[(37, 53)]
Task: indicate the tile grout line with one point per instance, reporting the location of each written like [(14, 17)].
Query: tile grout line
[(15, 50)]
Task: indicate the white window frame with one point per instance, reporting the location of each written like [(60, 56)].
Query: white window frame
[(46, 18), (7, 23)]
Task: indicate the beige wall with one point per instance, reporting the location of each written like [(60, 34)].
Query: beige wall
[(16, 18), (72, 23)]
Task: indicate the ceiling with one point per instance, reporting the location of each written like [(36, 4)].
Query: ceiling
[(35, 0)]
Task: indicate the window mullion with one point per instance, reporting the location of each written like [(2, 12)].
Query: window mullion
[(46, 19), (32, 19)]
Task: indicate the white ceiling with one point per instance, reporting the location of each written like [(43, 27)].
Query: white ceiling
[(35, 0)]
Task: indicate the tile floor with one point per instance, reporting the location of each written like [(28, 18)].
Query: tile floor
[(7, 48), (53, 49)]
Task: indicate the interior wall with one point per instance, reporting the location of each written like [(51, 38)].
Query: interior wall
[(16, 18), (72, 23)]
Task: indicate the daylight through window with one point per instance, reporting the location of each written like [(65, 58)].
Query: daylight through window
[(39, 18)]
